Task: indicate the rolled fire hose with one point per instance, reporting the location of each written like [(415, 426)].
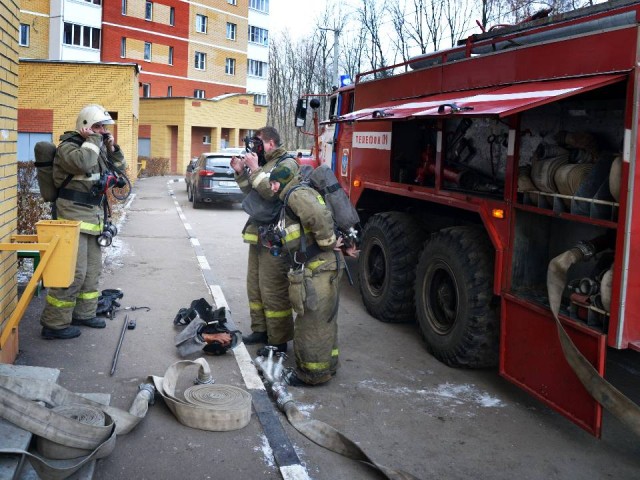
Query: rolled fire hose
[(318, 432), (614, 178), (76, 430), (205, 406), (70, 438), (602, 391), (543, 172)]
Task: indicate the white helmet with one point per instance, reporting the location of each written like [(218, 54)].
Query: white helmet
[(92, 114)]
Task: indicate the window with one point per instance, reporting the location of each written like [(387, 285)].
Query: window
[(198, 93), (232, 2), (200, 61), (260, 5), (230, 66), (206, 139), (258, 35), (231, 31), (24, 35), (148, 11), (146, 90), (256, 68), (201, 23), (169, 91), (170, 59), (260, 99), (81, 36), (147, 51), (95, 2), (123, 47), (172, 16), (124, 7)]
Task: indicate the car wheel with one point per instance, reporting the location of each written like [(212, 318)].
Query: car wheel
[(189, 193)]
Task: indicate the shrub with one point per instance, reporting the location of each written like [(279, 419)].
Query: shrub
[(31, 206), (157, 167)]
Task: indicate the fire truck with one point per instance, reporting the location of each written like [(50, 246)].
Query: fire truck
[(473, 167)]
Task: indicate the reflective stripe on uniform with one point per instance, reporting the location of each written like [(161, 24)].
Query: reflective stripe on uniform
[(334, 352), (315, 366), (255, 306), (278, 313), (92, 147), (94, 177), (315, 264), (250, 238), (292, 232), (327, 242), (258, 179), (92, 227), (88, 295), (320, 200), (60, 303)]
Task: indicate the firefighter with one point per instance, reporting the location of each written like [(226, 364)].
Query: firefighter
[(267, 284), (308, 241), (79, 171)]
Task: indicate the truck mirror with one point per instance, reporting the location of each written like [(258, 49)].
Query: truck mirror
[(301, 112)]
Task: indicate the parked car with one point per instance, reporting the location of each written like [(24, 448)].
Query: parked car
[(212, 180)]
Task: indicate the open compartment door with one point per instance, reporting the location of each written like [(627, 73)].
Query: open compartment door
[(532, 358)]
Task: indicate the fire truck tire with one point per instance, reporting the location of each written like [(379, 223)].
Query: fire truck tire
[(389, 252), (454, 298)]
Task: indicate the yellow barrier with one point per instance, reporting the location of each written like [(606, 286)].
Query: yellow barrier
[(60, 270), (57, 242)]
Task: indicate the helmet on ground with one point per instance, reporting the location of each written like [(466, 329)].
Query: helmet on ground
[(92, 114), (282, 174)]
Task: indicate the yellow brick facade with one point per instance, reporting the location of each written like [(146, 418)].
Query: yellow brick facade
[(35, 14), (113, 86), (160, 13), (215, 65), (9, 25), (164, 115)]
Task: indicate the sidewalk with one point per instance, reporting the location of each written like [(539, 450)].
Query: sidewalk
[(153, 262)]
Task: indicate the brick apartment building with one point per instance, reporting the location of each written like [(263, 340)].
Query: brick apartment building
[(202, 68)]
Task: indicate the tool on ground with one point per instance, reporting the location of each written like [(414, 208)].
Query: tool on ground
[(132, 324), (319, 432), (148, 309), (108, 302), (125, 326)]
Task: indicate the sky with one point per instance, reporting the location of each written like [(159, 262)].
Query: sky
[(293, 14)]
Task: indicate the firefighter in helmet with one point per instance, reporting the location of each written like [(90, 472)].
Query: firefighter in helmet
[(83, 161), (269, 307), (308, 241)]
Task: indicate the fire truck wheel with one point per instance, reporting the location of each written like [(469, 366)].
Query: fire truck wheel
[(389, 251), (455, 305)]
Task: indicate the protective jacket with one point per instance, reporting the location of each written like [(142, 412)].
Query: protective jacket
[(314, 281), (259, 180), (86, 160)]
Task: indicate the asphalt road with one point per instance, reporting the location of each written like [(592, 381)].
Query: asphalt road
[(404, 408)]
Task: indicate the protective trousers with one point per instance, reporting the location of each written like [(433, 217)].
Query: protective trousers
[(80, 299), (268, 294), (315, 341)]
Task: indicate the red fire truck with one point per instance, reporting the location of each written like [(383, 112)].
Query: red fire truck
[(475, 166)]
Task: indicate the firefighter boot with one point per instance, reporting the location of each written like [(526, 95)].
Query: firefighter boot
[(60, 334), (94, 322), (255, 337)]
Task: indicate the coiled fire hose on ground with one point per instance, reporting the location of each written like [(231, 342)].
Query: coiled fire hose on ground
[(72, 430), (318, 432), (606, 394)]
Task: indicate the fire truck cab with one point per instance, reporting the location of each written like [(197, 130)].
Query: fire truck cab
[(474, 167)]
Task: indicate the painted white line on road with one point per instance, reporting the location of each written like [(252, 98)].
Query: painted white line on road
[(218, 296), (195, 242), (294, 472), (204, 265), (249, 373)]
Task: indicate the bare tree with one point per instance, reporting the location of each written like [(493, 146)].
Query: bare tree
[(457, 18), (433, 21), (371, 17)]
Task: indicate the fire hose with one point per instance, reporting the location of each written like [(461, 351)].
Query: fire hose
[(606, 394), (318, 432), (71, 430)]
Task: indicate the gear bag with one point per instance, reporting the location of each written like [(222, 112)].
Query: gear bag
[(322, 179), (203, 326), (108, 301), (44, 153)]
